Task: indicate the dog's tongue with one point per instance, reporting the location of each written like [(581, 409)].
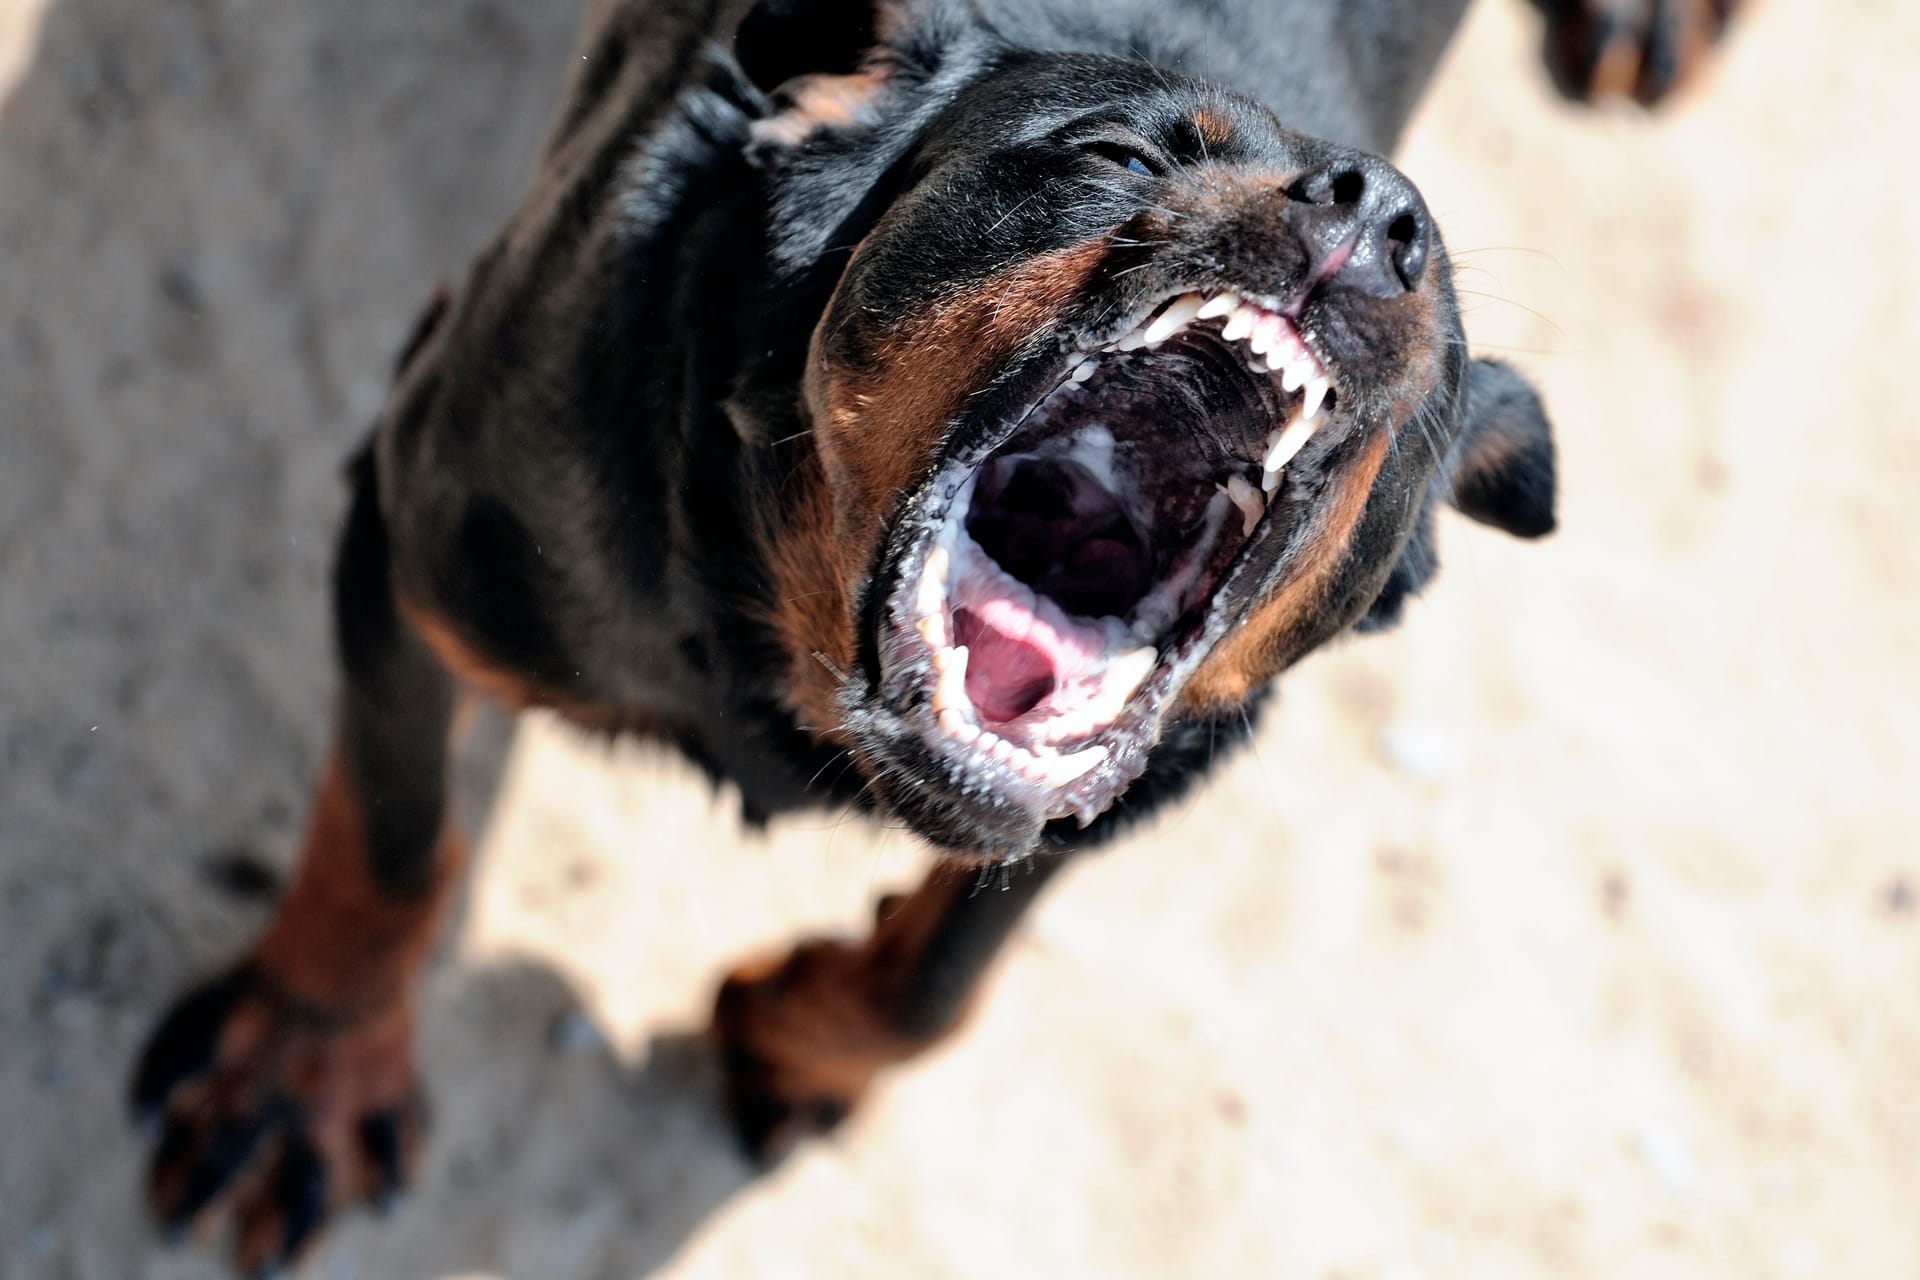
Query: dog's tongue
[(1007, 674)]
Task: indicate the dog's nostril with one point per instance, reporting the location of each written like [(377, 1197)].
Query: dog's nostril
[(1402, 230), (1329, 187), (1407, 247)]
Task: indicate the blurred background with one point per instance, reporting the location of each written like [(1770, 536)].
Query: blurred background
[(1572, 930)]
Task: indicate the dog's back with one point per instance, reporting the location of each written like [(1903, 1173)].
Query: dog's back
[(1349, 70)]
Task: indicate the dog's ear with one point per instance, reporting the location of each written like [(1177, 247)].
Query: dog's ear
[(814, 59), (782, 40), (852, 87), (1500, 469)]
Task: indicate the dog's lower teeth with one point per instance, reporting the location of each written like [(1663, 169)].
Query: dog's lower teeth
[(1064, 770), (933, 582), (950, 686), (1251, 505)]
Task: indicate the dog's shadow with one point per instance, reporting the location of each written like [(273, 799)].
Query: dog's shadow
[(552, 1156), (555, 1153)]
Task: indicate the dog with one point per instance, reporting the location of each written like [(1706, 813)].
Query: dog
[(961, 409)]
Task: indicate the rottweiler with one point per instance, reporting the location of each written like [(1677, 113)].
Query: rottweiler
[(957, 409)]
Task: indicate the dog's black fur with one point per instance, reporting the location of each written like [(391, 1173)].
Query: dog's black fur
[(597, 466), (668, 279)]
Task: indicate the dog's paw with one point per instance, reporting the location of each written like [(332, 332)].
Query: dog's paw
[(273, 1115), (801, 1037), (1638, 49)]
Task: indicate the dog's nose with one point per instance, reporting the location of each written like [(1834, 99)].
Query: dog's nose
[(1362, 224)]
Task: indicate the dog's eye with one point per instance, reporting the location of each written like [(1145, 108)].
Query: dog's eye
[(1129, 158)]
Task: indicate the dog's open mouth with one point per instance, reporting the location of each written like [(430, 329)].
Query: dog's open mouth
[(1073, 572)]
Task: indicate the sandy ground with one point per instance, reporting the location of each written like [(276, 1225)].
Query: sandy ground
[(1571, 931)]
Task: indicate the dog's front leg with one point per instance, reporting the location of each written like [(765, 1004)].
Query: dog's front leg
[(803, 1034), (285, 1089), (1639, 49)]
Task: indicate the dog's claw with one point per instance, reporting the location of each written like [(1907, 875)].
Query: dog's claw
[(1638, 49), (384, 1141), (801, 1038), (182, 1046), (273, 1116)]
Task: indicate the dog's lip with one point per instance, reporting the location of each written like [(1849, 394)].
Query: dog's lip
[(1088, 780)]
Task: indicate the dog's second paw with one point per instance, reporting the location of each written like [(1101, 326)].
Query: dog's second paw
[(273, 1115), (801, 1037), (1638, 49)]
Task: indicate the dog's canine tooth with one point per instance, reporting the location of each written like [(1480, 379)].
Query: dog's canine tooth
[(1317, 388), (1175, 318), (1218, 305), (1084, 370), (933, 629), (950, 689), (1252, 507), (1239, 324), (932, 592), (1125, 671), (1289, 442)]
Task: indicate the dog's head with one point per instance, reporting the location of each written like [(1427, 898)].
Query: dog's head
[(1125, 398)]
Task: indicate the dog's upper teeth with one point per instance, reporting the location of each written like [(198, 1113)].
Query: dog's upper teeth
[(1239, 324), (1317, 388), (1218, 305), (1175, 318), (1269, 334), (1282, 446)]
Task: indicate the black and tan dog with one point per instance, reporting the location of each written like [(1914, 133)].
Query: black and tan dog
[(960, 408)]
